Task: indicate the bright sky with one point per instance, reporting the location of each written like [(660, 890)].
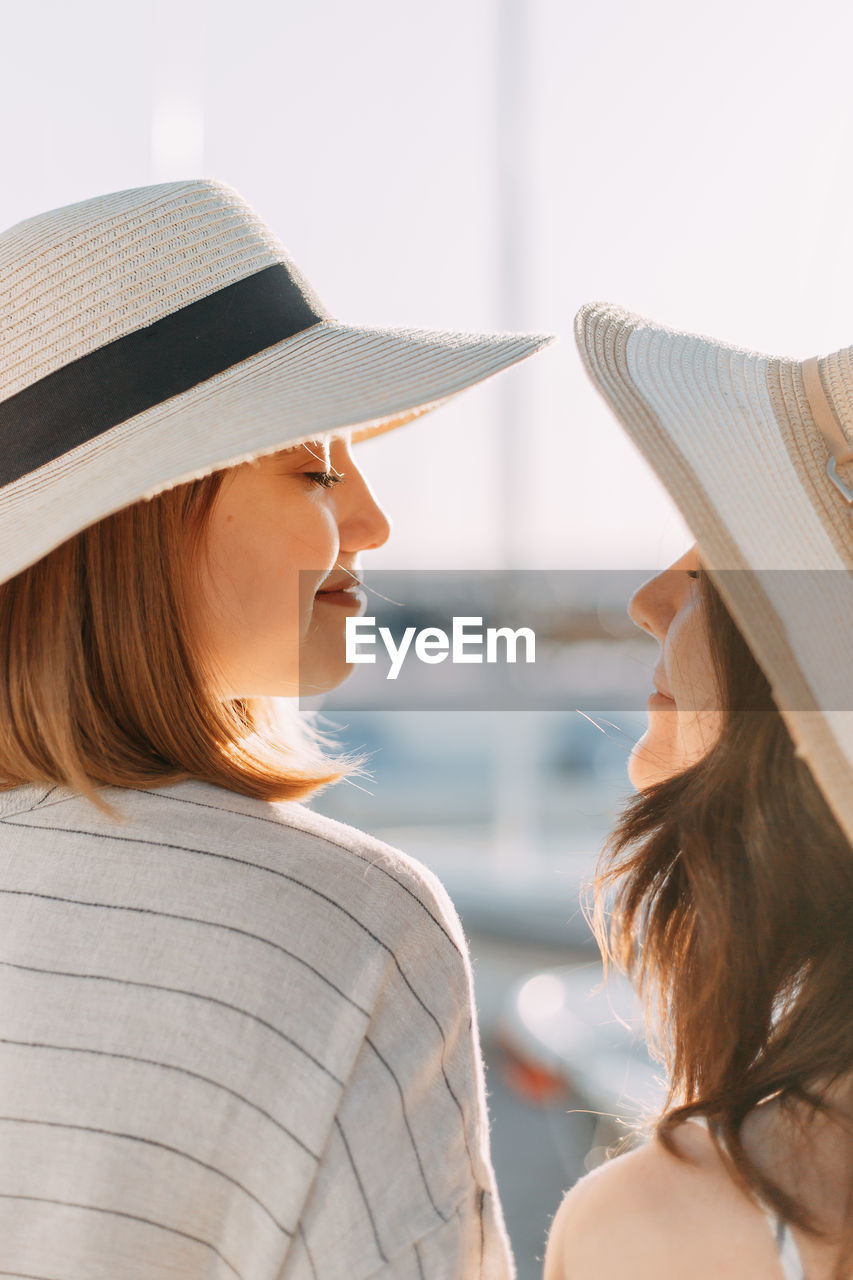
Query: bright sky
[(690, 162)]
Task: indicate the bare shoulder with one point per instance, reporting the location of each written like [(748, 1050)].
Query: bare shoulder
[(625, 1210), (651, 1213)]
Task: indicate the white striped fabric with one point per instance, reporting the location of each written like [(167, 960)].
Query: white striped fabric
[(236, 1041)]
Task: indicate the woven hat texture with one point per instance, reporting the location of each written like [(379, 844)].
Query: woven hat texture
[(745, 444), (151, 336)]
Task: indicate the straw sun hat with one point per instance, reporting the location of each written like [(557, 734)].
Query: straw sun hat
[(758, 454), (149, 337)]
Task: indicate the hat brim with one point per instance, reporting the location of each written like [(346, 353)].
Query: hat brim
[(730, 434), (328, 377)]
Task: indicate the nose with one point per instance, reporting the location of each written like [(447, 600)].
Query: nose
[(650, 607), (362, 524), (653, 606)]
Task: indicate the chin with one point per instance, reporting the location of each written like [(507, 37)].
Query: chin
[(314, 683), (650, 764), (305, 684), (638, 773)]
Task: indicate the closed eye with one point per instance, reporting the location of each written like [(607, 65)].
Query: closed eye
[(326, 479)]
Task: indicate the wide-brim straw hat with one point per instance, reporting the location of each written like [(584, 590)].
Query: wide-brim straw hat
[(757, 452), (151, 336)]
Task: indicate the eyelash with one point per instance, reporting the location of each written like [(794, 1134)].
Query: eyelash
[(326, 479)]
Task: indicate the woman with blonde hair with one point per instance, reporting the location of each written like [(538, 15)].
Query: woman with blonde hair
[(729, 878), (237, 1037)]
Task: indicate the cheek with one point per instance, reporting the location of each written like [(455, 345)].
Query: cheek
[(698, 731), (691, 672), (267, 540), (680, 736), (266, 557), (688, 664)]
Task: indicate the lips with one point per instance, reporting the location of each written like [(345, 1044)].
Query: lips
[(660, 700), (344, 592), (349, 583), (661, 689)]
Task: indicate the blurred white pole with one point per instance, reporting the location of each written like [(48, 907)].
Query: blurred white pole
[(511, 121), (516, 742), (177, 90)]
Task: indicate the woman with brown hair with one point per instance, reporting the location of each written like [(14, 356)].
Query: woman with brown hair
[(237, 1038), (729, 879)]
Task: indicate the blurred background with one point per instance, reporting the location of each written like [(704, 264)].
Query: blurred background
[(490, 165)]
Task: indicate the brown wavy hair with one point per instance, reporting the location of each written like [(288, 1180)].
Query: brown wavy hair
[(105, 679), (729, 890)]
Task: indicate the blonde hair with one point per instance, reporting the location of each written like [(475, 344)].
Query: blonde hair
[(105, 680)]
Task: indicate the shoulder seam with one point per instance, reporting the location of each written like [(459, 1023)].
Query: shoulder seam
[(257, 817)]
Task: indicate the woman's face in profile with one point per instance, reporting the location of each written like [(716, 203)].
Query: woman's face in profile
[(282, 542), (684, 712)]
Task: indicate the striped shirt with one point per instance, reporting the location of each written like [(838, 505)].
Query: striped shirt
[(236, 1040)]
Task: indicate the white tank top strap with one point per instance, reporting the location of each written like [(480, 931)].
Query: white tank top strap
[(786, 1245)]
